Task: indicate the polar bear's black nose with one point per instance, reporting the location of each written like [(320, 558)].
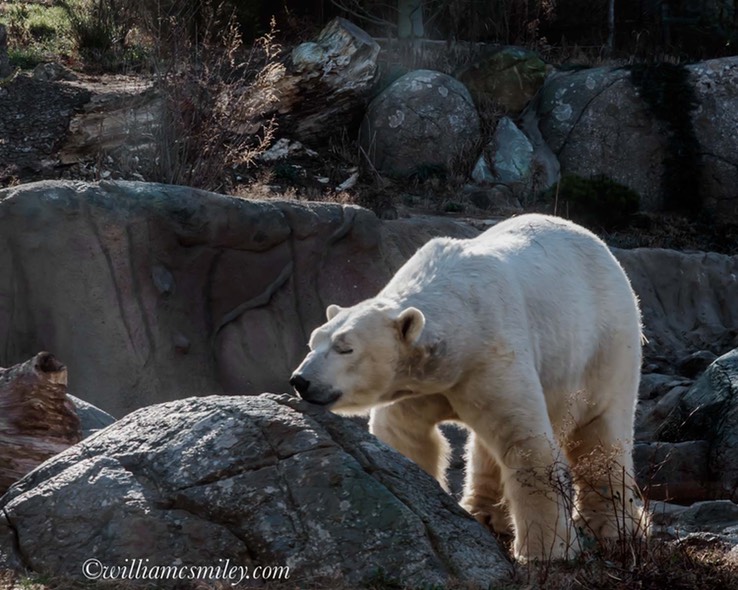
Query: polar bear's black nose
[(300, 384)]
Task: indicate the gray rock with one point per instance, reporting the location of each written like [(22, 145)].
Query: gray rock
[(511, 159), (695, 363), (716, 127), (153, 292), (582, 118), (689, 300), (91, 418), (265, 480), (424, 121), (597, 124), (655, 385), (703, 524), (512, 151), (709, 410), (51, 72)]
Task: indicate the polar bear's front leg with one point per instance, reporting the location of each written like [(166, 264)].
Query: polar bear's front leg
[(483, 494), (410, 427), (515, 429)]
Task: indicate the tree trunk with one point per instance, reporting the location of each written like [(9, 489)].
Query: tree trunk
[(410, 19), (325, 85), (610, 26), (37, 419), (5, 68)]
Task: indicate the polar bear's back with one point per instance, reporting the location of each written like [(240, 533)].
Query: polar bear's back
[(541, 285)]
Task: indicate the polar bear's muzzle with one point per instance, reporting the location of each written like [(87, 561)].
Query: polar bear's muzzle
[(313, 392)]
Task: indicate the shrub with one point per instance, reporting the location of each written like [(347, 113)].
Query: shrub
[(215, 98), (97, 26)]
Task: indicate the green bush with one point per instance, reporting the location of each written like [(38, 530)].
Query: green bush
[(36, 33), (97, 26), (597, 202)]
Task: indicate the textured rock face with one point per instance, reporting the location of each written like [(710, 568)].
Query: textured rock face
[(424, 120), (151, 292), (596, 122), (264, 480), (716, 127), (689, 300), (508, 78), (582, 117)]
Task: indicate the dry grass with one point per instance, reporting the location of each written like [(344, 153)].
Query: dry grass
[(654, 565), (215, 98), (647, 565)]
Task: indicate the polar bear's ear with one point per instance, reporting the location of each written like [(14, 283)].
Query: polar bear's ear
[(410, 323), (332, 311)]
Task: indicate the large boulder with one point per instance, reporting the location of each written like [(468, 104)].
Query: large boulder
[(716, 127), (424, 122), (152, 292), (259, 481), (597, 122), (507, 79)]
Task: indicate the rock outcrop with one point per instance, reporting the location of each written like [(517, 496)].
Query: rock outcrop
[(688, 300), (420, 125), (265, 480), (152, 292)]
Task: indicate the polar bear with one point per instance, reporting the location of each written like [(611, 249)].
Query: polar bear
[(530, 336)]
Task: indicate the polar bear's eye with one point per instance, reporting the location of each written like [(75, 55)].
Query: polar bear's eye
[(343, 350)]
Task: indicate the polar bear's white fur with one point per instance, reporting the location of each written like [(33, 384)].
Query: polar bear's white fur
[(530, 335)]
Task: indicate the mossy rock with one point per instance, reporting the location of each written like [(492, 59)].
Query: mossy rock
[(597, 202)]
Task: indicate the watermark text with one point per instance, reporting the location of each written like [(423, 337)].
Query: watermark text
[(142, 569)]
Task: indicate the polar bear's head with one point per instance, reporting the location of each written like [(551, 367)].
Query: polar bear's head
[(358, 358)]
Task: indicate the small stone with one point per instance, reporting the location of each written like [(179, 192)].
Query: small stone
[(181, 343)]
